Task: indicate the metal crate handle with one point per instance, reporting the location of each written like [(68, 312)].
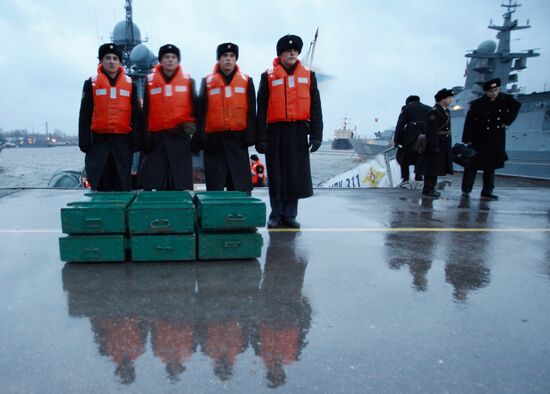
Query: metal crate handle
[(165, 248), (235, 218), (91, 253), (231, 244), (92, 222), (161, 223)]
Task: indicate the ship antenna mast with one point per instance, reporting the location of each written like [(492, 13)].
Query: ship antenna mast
[(130, 39)]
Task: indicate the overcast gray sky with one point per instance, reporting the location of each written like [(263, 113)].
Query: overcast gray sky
[(379, 51)]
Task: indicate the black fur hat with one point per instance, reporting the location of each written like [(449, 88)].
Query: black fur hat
[(227, 47), (110, 47), (290, 41), (169, 48)]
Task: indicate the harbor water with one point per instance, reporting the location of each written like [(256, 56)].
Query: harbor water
[(33, 167)]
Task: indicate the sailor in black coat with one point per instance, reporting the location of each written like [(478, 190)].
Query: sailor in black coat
[(285, 144), (167, 162), (485, 131), (226, 162), (410, 124), (108, 160), (437, 158)]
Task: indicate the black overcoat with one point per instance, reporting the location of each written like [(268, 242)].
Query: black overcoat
[(438, 158), (287, 158), (485, 129), (226, 152), (99, 146), (410, 124), (167, 162)]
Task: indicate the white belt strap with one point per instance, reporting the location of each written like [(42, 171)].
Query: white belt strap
[(228, 92), (168, 90), (291, 81), (113, 93)]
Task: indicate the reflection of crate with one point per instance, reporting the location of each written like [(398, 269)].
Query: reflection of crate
[(163, 247), (162, 213), (236, 245), (219, 211), (87, 248)]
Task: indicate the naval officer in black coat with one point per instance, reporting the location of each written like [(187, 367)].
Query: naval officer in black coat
[(226, 150), (410, 124), (437, 159), (108, 158), (285, 141), (485, 131)]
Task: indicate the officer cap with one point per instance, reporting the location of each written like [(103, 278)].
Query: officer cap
[(443, 93), (491, 84), (169, 48), (290, 41), (411, 99), (109, 48), (227, 47)]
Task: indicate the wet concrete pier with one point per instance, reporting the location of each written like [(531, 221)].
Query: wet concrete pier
[(380, 291)]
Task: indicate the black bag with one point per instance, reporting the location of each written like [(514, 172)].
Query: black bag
[(463, 154)]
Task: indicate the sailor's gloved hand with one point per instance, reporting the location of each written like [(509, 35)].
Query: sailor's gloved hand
[(189, 128), (314, 145), (261, 147)]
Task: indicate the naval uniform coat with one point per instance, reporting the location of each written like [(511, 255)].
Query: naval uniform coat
[(166, 149), (438, 158), (287, 158), (99, 146), (226, 152), (485, 129), (410, 124)]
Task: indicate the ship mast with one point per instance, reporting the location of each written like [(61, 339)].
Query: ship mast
[(502, 62)]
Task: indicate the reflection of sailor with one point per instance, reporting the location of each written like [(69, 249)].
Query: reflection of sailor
[(227, 295), (124, 302), (172, 343), (410, 124), (466, 270), (123, 340), (285, 314), (412, 249)]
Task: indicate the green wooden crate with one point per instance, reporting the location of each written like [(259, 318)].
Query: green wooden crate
[(88, 248), (94, 217), (162, 213), (226, 246), (124, 197), (217, 213), (163, 247)]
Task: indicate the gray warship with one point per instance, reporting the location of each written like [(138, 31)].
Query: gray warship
[(528, 138)]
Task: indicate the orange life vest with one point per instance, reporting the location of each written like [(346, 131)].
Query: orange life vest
[(170, 104), (258, 173), (112, 104), (227, 104), (289, 98)]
